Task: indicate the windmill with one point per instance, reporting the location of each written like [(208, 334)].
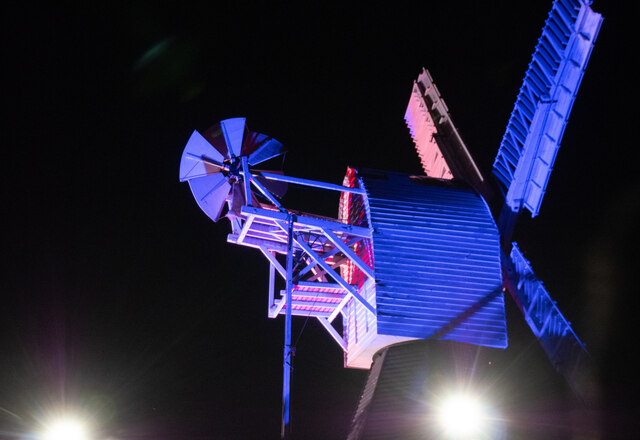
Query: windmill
[(409, 258)]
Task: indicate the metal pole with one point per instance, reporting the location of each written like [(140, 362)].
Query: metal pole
[(286, 382), (312, 183), (246, 181)]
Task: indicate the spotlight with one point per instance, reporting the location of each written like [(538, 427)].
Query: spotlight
[(66, 429), (462, 416)]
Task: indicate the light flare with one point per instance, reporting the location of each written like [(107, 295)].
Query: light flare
[(66, 429), (462, 416)]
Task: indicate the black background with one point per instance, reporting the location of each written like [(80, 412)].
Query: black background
[(122, 300)]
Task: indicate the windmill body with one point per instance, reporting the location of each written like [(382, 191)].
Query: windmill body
[(436, 250), (410, 257)]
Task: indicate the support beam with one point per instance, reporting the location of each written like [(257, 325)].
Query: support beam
[(332, 273), (308, 221), (277, 307), (245, 229), (274, 262), (265, 192), (267, 228), (236, 224), (311, 183), (334, 334), (288, 354), (320, 273), (327, 255), (247, 182), (301, 312), (258, 243), (272, 286), (341, 306), (268, 242), (346, 250)]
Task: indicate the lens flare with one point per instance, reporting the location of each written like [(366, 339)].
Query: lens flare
[(66, 429), (462, 416)]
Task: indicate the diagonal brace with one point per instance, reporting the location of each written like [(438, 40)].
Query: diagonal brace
[(326, 255), (274, 262), (332, 273), (333, 332), (349, 253)]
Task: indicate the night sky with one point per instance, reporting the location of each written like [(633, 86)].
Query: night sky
[(123, 301)]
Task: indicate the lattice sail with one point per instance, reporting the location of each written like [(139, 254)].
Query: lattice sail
[(563, 347), (424, 132), (532, 138), (442, 152)]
